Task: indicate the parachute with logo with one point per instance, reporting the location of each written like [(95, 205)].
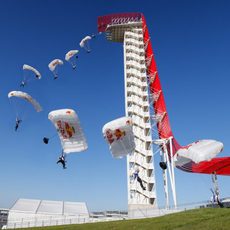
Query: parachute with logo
[(71, 57), (202, 150), (29, 74), (84, 43), (119, 135), (68, 126), (20, 100), (53, 66)]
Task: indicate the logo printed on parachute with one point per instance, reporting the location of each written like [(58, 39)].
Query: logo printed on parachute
[(114, 135), (55, 63), (70, 54), (65, 129), (69, 129), (68, 112)]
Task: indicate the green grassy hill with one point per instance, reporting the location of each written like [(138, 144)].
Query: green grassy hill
[(197, 219)]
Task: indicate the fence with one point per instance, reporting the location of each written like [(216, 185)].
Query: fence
[(40, 221)]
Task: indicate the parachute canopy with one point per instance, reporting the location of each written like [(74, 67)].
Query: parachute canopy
[(202, 150), (119, 135), (53, 66), (70, 54), (26, 97), (84, 43), (71, 57), (30, 68), (69, 130)]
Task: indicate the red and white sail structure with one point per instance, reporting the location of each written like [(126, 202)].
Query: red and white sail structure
[(141, 77)]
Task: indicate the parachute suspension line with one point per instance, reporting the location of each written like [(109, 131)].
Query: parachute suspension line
[(27, 80), (63, 153), (17, 107), (54, 135), (24, 111), (87, 48), (74, 65), (14, 107), (26, 77), (55, 74)]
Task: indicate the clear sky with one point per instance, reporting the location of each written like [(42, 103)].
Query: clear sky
[(192, 50)]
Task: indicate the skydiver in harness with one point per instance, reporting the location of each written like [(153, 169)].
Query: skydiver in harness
[(18, 121), (215, 199), (62, 160), (23, 83), (135, 174), (55, 76)]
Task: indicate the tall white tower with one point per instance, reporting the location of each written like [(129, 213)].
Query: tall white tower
[(128, 29)]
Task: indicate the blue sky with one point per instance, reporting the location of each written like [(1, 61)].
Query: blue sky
[(191, 44)]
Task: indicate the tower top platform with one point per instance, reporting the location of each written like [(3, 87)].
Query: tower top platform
[(115, 25)]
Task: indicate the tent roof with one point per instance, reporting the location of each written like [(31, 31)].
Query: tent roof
[(50, 207)]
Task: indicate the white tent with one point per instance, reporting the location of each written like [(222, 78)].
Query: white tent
[(34, 213)]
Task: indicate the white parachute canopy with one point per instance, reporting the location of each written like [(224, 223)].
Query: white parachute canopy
[(69, 130), (53, 66), (119, 135), (70, 54), (71, 57), (202, 150), (33, 70), (26, 97), (84, 43)]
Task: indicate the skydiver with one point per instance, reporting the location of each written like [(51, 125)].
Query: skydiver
[(18, 121), (135, 174), (221, 205), (74, 65), (62, 160), (163, 165), (215, 199), (46, 140), (22, 84)]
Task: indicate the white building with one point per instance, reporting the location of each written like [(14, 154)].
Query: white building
[(35, 213), (128, 29)]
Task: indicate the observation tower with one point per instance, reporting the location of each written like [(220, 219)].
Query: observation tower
[(131, 30)]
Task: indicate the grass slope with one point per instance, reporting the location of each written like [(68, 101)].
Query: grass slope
[(202, 219)]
